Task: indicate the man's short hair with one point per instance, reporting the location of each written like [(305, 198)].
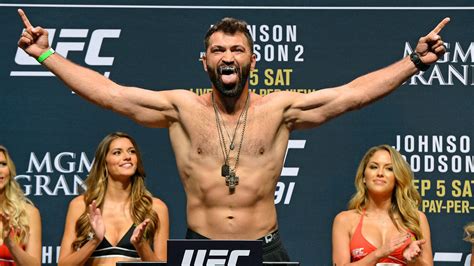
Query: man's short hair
[(229, 26)]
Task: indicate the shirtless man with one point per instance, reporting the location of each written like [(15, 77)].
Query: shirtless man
[(230, 144)]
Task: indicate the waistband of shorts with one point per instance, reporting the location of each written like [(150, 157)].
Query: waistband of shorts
[(269, 238)]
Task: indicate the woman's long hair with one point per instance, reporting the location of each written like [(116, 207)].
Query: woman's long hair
[(141, 205), (469, 230), (15, 202), (405, 197)]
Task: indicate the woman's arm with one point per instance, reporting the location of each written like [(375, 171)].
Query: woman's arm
[(163, 231), (341, 254), (161, 235), (32, 253), (67, 255), (426, 256)]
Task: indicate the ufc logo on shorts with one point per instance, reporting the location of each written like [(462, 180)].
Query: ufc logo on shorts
[(91, 44), (204, 259)]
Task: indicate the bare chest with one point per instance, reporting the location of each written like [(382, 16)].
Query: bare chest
[(252, 135)]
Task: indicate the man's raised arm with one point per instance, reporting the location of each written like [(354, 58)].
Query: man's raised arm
[(147, 107), (313, 109)]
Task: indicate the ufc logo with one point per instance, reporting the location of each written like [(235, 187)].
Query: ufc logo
[(90, 44), (201, 254)]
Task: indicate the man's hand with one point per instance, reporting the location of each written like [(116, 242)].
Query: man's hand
[(431, 47), (34, 40)]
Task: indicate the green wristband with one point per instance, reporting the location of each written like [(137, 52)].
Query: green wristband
[(45, 55)]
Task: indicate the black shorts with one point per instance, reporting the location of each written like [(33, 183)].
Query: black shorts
[(273, 249)]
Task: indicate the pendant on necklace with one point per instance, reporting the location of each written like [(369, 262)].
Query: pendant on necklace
[(231, 147), (231, 180), (225, 169)]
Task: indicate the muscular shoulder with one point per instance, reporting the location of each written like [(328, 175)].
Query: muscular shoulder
[(177, 99), (181, 96), (300, 100), (280, 99)]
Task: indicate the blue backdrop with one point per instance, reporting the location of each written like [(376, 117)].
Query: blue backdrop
[(304, 46)]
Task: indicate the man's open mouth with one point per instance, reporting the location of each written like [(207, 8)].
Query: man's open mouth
[(227, 70)]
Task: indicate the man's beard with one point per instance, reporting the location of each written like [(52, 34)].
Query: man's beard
[(229, 90)]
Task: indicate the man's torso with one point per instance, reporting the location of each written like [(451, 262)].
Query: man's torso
[(212, 209)]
